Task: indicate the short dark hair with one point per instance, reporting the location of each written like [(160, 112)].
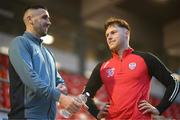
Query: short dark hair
[(116, 21), (35, 7)]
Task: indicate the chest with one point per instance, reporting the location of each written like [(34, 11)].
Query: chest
[(130, 69), (42, 59)]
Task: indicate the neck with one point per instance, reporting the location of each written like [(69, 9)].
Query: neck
[(33, 32), (121, 50)]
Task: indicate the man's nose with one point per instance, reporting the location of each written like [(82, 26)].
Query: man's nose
[(109, 37), (49, 22)]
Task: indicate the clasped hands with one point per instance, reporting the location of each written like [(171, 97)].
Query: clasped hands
[(71, 103)]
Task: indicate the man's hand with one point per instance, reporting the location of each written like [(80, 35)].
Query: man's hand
[(147, 108), (70, 103), (62, 87), (103, 113), (79, 99)]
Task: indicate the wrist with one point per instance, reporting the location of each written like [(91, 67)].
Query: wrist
[(98, 117), (157, 111), (61, 98)]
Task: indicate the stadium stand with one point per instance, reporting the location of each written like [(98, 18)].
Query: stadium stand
[(75, 83)]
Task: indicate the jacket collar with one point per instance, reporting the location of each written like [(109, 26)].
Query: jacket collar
[(33, 38)]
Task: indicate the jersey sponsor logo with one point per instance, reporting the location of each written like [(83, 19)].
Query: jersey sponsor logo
[(132, 65), (110, 72)]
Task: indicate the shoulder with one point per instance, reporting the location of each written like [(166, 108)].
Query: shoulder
[(145, 55), (142, 53), (103, 63), (19, 43), (150, 59), (19, 40)]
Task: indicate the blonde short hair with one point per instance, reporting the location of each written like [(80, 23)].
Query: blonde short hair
[(116, 21)]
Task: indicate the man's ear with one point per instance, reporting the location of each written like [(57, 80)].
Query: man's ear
[(29, 19), (127, 33)]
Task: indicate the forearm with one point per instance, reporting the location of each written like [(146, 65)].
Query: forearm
[(160, 71), (92, 107), (170, 94), (92, 86)]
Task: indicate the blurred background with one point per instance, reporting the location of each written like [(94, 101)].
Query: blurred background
[(78, 42)]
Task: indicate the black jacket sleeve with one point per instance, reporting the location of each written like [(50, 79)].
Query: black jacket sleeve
[(158, 70), (93, 84)]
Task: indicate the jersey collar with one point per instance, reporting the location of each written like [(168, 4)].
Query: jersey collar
[(125, 53)]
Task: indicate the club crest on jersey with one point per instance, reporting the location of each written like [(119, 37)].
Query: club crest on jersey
[(110, 72), (132, 65)]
